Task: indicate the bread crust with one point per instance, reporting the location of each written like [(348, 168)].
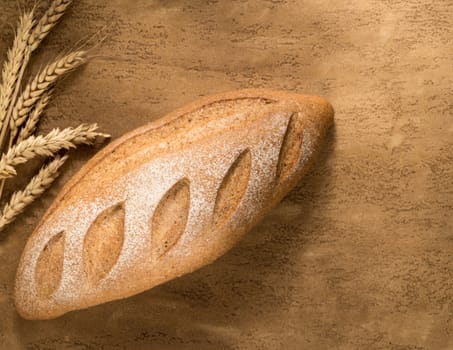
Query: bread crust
[(269, 122)]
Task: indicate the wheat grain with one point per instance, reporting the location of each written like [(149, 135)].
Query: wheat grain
[(37, 185), (15, 58), (42, 83), (46, 146), (32, 121), (47, 22)]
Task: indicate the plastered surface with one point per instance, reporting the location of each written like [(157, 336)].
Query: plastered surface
[(358, 256)]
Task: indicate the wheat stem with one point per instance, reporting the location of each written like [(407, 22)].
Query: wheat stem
[(47, 146), (40, 84), (38, 184)]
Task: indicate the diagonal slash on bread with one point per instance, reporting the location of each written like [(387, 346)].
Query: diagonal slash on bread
[(168, 198)]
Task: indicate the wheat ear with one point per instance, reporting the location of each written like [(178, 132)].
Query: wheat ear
[(37, 185), (40, 84), (47, 22), (12, 66), (32, 121), (31, 43), (47, 145)]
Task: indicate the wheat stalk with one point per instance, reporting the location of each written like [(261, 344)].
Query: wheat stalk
[(38, 184), (20, 111), (42, 82), (26, 41), (12, 66), (32, 121), (47, 22), (46, 146), (30, 43)]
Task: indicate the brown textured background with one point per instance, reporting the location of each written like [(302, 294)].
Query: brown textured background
[(359, 256)]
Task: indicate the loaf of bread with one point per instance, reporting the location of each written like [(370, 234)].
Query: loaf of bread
[(168, 198)]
